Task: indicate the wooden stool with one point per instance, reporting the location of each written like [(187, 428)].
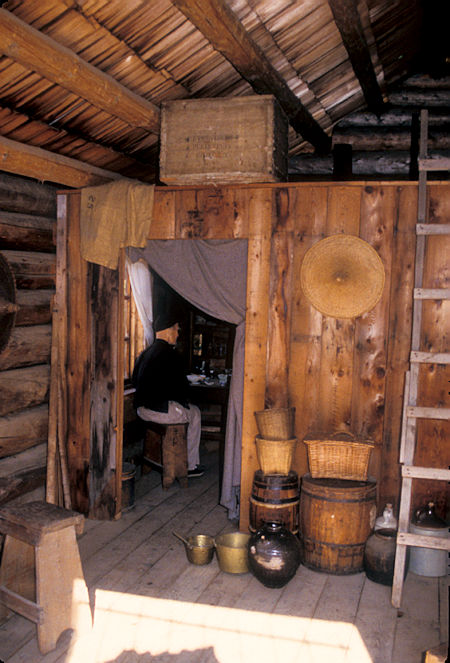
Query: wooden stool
[(41, 577), (165, 449)]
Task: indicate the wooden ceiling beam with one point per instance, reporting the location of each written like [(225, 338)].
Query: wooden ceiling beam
[(220, 26), (348, 22), (26, 129), (38, 52), (47, 166)]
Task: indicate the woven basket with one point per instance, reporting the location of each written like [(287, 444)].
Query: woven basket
[(276, 423), (334, 458), (275, 456)]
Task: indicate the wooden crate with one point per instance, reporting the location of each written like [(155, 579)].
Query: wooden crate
[(223, 141)]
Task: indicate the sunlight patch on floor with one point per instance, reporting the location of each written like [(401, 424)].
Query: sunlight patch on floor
[(127, 622)]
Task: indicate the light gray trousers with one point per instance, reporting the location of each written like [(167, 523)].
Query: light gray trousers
[(177, 414)]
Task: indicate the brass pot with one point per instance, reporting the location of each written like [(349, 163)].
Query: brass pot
[(199, 549), (232, 552)]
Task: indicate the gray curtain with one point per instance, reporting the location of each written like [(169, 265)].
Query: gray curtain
[(212, 275)]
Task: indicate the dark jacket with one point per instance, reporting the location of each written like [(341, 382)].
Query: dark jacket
[(159, 377)]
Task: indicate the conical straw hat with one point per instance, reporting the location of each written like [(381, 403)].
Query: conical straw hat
[(342, 276)]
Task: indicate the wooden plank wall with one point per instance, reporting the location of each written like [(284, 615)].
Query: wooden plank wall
[(91, 365), (341, 375), (27, 228)]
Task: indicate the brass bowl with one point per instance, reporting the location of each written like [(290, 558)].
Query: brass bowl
[(200, 549), (232, 552)]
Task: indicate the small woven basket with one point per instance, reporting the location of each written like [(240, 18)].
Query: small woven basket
[(276, 423), (275, 456), (333, 458)]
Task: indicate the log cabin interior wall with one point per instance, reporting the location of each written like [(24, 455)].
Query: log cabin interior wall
[(339, 374), (27, 232)]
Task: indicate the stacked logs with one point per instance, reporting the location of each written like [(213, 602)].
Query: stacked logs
[(27, 228)]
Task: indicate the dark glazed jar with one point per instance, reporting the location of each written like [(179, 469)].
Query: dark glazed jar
[(273, 554), (379, 556)]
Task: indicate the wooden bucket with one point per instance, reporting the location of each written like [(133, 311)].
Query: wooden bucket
[(128, 486), (274, 498), (336, 518)]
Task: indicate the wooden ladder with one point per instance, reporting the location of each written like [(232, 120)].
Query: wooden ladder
[(411, 410)]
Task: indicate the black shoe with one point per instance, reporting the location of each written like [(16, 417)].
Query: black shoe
[(198, 471)]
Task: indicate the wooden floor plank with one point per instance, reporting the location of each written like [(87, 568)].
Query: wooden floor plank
[(141, 579), (417, 626), (374, 626), (335, 615)]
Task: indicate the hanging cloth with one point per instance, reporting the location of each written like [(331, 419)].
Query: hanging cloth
[(141, 285), (112, 216), (212, 275)]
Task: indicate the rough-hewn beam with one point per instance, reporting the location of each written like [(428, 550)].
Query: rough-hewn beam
[(22, 126), (348, 22), (226, 34), (47, 166), (39, 53)]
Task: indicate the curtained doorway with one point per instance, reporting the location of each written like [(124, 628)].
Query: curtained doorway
[(211, 275)]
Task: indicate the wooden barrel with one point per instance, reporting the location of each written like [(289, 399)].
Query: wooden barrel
[(274, 498), (336, 518)]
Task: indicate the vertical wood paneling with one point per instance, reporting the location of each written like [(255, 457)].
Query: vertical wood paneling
[(339, 373), (256, 334), (280, 302), (378, 207), (118, 397), (78, 368), (336, 366), (104, 289), (310, 212), (217, 206), (210, 213), (399, 337), (238, 200), (163, 220), (188, 215)]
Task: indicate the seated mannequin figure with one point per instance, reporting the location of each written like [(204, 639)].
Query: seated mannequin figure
[(162, 390)]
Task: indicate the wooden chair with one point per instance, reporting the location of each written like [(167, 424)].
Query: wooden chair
[(41, 577), (165, 449)]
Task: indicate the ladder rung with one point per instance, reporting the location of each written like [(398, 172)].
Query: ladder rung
[(430, 357), (431, 293), (439, 163), (428, 412), (405, 538), (433, 229), (416, 472)]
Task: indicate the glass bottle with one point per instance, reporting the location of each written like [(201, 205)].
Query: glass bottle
[(387, 520)]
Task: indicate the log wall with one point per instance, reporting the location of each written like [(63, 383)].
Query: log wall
[(27, 227), (345, 375)]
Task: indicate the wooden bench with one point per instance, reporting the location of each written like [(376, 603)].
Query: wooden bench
[(165, 449), (41, 577)]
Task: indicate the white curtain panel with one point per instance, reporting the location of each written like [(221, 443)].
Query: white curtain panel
[(141, 286)]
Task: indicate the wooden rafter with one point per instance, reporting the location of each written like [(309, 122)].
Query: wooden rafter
[(40, 53), (226, 34), (348, 22), (46, 166), (23, 126)]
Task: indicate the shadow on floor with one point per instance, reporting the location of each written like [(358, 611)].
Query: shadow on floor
[(185, 656)]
